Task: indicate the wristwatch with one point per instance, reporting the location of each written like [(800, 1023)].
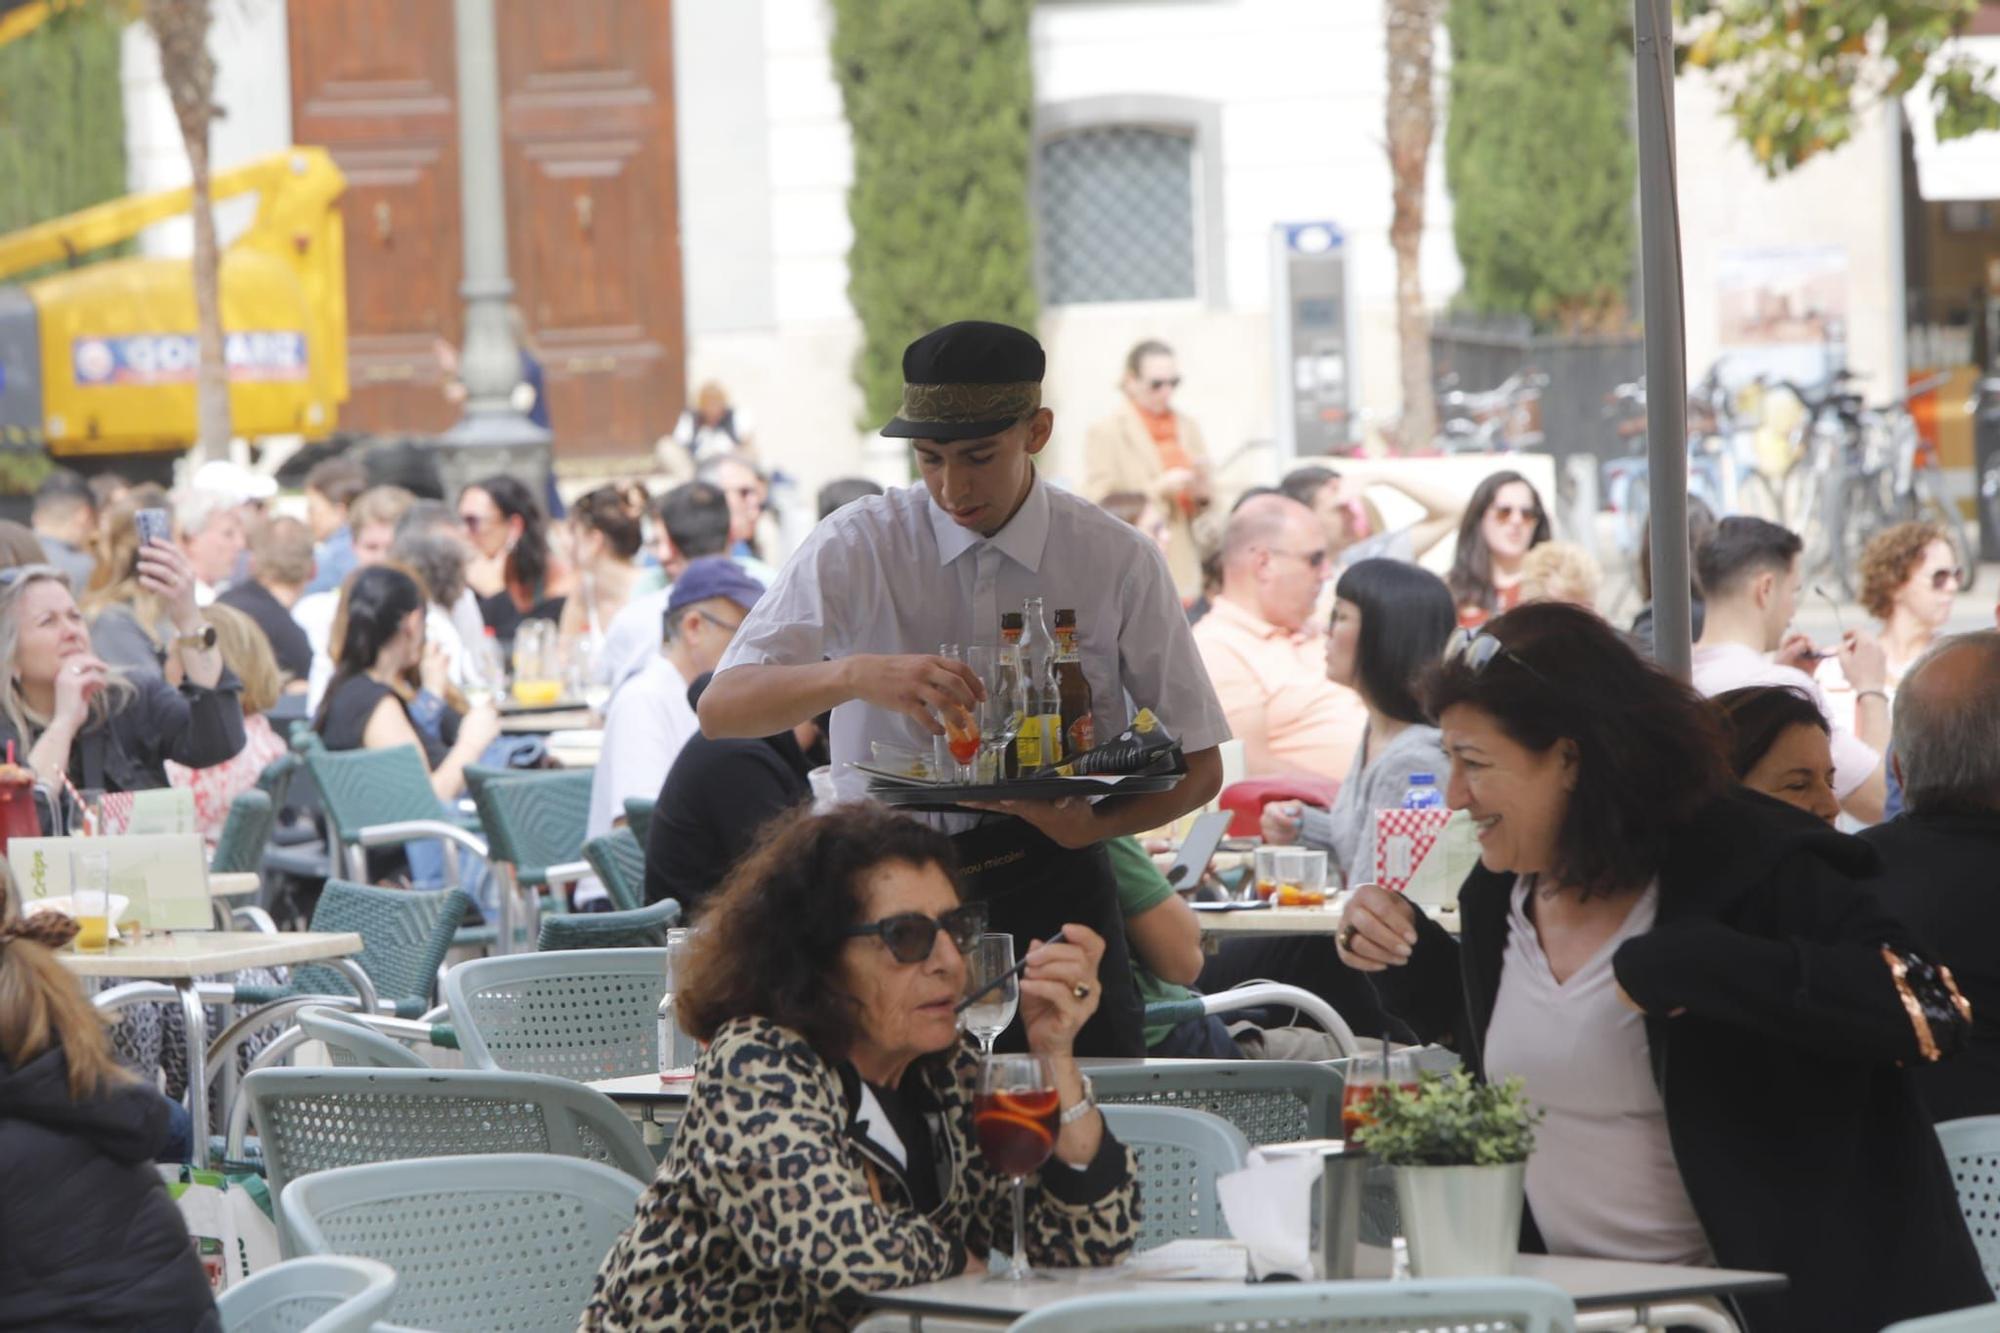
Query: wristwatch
[(1083, 1107), (201, 639)]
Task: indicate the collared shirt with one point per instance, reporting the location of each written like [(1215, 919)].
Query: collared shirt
[(1721, 667), (1272, 683), (893, 574)]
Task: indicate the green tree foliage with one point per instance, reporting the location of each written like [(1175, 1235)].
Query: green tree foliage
[(1539, 158), (62, 118), (1799, 75), (940, 98)]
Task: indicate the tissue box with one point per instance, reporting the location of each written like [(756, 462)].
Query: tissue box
[(1403, 838)]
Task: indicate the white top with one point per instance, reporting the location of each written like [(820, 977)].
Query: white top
[(1719, 668), (644, 729), (634, 637), (314, 613), (893, 574), (1602, 1180)]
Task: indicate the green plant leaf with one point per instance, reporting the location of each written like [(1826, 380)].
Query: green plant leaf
[(1450, 1120)]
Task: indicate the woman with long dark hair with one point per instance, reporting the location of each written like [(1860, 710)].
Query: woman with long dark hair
[(379, 651), (1390, 623), (1504, 520), (514, 573), (1695, 983)]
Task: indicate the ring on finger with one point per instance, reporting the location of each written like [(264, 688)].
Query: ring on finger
[(1347, 934), (1081, 990)]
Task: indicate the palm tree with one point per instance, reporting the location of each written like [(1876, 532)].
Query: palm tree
[(1411, 121)]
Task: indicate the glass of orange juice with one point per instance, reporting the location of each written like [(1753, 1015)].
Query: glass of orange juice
[(90, 896)]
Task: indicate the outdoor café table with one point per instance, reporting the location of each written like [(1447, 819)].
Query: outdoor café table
[(540, 724), (1594, 1284), (1217, 926), (655, 1106), (232, 883), (167, 966)]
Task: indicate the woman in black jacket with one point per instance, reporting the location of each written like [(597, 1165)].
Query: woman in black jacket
[(89, 1239), (1699, 992), (68, 715)]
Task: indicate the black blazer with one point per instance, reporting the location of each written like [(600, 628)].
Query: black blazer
[(1941, 873), (1797, 1129), (190, 725)]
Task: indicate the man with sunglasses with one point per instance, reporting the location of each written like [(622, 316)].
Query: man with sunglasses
[(1265, 652), (1149, 448), (853, 620)]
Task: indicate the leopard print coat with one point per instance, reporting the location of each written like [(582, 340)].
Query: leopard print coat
[(771, 1213)]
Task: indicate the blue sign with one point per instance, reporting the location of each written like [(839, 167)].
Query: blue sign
[(170, 358), (1313, 238)]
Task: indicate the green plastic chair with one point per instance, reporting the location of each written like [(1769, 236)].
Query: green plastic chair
[(1978, 1319), (1972, 1150), (619, 860), (352, 1044), (644, 928), (1178, 1154), (383, 798), (534, 825), (329, 1294), (510, 1241), (1496, 1305), (239, 849), (639, 817), (582, 1014), (276, 779), (315, 1119)]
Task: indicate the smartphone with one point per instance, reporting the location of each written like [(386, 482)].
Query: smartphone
[(154, 526), (1198, 849)]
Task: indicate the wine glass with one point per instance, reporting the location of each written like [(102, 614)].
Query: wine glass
[(992, 957), (999, 720), (586, 673), (1014, 1113)]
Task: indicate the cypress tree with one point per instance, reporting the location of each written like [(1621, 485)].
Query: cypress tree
[(940, 98), (62, 118), (1539, 158)]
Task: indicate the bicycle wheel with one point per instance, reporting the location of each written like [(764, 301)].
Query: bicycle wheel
[(1928, 499), (1861, 508), (1801, 501), (1758, 498)]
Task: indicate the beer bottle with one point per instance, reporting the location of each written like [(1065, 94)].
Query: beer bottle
[(1009, 687), (1039, 744), (1072, 688)]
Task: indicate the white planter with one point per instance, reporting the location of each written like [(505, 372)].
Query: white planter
[(1461, 1221)]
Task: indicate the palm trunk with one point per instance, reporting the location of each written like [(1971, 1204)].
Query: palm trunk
[(1411, 123)]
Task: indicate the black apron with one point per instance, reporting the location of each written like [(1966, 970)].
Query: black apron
[(1031, 886)]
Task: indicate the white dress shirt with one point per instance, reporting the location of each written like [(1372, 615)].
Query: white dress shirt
[(644, 729), (634, 637), (893, 574)]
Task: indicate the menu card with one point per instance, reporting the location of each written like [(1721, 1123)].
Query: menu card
[(165, 875)]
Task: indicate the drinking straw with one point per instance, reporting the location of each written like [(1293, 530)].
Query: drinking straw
[(1000, 980)]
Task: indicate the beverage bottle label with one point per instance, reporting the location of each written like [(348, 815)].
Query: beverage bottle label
[(1028, 743)]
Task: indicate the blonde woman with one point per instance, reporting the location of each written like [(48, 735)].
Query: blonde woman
[(247, 653), (89, 1238)]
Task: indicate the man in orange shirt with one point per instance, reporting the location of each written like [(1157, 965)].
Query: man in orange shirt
[(1265, 653)]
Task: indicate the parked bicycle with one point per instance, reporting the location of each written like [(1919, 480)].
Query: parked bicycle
[(1504, 419)]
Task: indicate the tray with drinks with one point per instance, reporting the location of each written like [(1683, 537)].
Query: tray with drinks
[(923, 794)]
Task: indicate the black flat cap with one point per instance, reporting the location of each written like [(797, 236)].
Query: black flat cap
[(968, 380)]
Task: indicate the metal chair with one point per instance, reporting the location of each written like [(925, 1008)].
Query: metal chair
[(639, 817), (1978, 1319), (1972, 1148), (1494, 1305), (1255, 995), (582, 1014), (643, 928), (331, 1294), (619, 860), (534, 825), (1178, 1154), (239, 848), (352, 1044), (316, 1119), (511, 1241), (382, 798)]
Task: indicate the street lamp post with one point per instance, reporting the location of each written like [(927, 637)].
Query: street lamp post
[(492, 435)]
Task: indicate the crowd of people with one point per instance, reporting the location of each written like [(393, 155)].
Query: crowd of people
[(1668, 872)]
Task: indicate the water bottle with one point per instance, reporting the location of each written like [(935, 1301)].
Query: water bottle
[(1423, 793), (677, 1048)]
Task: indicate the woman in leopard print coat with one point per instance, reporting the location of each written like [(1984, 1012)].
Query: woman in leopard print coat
[(828, 1149)]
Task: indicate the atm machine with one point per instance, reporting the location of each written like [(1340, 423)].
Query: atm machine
[(1312, 324)]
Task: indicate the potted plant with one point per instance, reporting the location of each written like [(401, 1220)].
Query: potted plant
[(1460, 1149)]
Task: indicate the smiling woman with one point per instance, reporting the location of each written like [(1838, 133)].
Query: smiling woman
[(1632, 913)]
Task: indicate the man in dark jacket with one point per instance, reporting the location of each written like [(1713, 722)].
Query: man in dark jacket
[(717, 795), (89, 1239), (1941, 860)]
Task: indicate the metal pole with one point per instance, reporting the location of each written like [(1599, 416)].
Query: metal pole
[(1666, 346), (490, 362)]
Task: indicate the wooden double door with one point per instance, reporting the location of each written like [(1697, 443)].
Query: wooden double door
[(593, 222)]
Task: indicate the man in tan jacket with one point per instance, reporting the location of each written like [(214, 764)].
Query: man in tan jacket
[(1148, 448)]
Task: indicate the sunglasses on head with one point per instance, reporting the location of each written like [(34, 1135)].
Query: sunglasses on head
[(1157, 385), (1942, 577), (1475, 649), (1508, 513), (911, 935)]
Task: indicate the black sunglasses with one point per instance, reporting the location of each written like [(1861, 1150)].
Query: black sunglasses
[(911, 935), (1941, 577), (1475, 649), (1157, 385)]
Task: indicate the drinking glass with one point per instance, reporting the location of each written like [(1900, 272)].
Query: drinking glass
[(992, 956), (586, 674), (1301, 877), (961, 729), (1264, 882), (1365, 1073), (90, 897), (537, 673), (1014, 1113), (999, 722)]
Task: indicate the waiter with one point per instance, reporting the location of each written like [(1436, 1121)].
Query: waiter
[(852, 622)]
